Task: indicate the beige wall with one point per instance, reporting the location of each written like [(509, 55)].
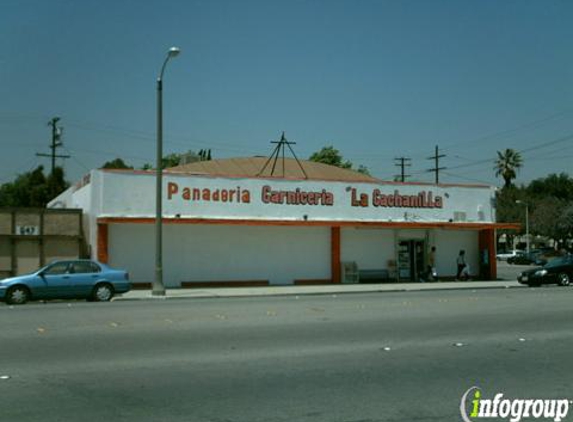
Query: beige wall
[(5, 257), (27, 256), (51, 234), (62, 224), (56, 249), (5, 222)]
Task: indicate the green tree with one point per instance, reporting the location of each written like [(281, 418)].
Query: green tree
[(171, 160), (559, 186), (56, 182), (566, 221), (33, 189), (507, 211), (545, 218), (331, 156), (550, 204), (118, 163), (363, 169), (27, 190), (175, 159), (507, 164), (168, 161)]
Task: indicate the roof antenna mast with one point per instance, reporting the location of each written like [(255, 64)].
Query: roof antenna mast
[(278, 151)]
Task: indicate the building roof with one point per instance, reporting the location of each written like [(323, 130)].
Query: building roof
[(252, 166)]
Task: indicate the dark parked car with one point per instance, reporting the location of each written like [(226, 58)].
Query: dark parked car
[(79, 279), (536, 257), (558, 271)]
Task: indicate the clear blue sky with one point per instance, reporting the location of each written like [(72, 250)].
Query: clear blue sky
[(376, 79)]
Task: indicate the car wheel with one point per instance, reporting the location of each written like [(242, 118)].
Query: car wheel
[(17, 295), (563, 279), (102, 293)]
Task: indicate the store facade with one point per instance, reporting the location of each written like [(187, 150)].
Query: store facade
[(222, 229)]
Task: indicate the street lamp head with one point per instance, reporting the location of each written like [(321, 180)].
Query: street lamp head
[(519, 201), (173, 52)]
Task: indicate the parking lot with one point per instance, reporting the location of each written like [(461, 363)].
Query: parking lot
[(507, 271)]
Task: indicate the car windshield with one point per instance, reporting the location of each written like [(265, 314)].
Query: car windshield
[(559, 261)]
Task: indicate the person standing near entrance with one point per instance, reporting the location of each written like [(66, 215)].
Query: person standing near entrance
[(461, 262), (432, 273)]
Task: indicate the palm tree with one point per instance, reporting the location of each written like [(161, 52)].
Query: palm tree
[(507, 164)]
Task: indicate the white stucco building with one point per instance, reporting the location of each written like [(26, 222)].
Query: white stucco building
[(226, 225)]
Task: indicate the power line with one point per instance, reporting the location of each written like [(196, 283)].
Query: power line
[(136, 134), (532, 148), (78, 161), (466, 178), (108, 154), (149, 138), (530, 125), (31, 163), (227, 147), (553, 158), (545, 144), (402, 162), (473, 163), (175, 139), (436, 170)]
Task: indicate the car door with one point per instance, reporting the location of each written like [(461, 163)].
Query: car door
[(56, 281), (84, 275)]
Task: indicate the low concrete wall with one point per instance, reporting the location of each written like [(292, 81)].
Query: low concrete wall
[(33, 237)]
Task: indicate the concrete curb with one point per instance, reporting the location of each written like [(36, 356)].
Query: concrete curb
[(278, 291)]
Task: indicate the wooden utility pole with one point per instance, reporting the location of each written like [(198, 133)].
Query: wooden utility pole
[(436, 157), (402, 162), (56, 143)]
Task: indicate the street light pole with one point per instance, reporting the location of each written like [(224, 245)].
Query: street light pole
[(526, 223), (158, 286)]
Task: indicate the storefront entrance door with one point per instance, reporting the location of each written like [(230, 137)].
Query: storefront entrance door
[(410, 260)]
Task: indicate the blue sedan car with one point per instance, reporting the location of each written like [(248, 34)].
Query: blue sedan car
[(78, 279)]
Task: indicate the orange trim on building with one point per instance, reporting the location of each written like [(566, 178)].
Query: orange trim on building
[(491, 242), (102, 242), (335, 255), (487, 242), (379, 224)]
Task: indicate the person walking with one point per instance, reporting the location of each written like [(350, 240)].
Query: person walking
[(461, 263)]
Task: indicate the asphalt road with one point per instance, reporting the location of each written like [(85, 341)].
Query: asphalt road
[(352, 358)]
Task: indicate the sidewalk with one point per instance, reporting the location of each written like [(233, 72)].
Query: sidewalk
[(316, 290)]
